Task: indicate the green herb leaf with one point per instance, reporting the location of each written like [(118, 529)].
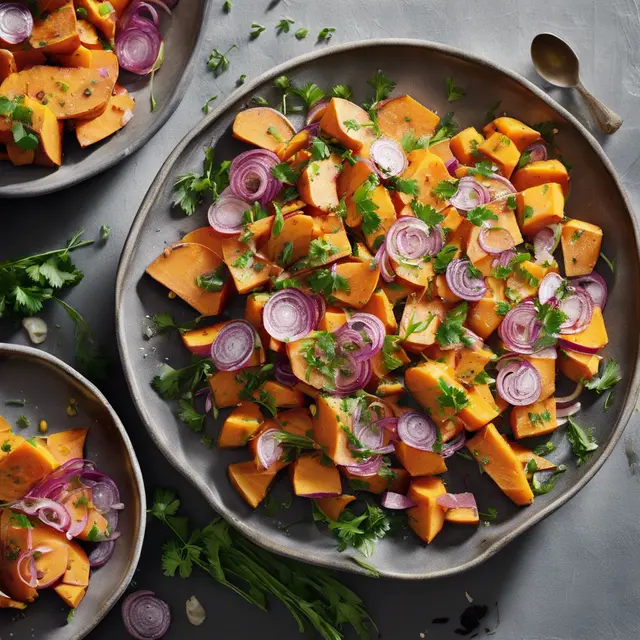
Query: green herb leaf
[(382, 85), (284, 25), (341, 91), (446, 189), (484, 168), (426, 213), (218, 61), (326, 33), (453, 93), (256, 30), (214, 281), (444, 257), (310, 94), (479, 215), (302, 33), (451, 332), (278, 222), (285, 173), (609, 377), (451, 397), (583, 444), (410, 142)]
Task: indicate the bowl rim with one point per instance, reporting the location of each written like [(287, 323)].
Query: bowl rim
[(13, 350), (23, 190), (156, 187)]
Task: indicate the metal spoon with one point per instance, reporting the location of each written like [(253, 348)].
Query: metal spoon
[(556, 62)]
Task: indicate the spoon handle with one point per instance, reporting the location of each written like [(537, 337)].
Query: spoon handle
[(606, 120)]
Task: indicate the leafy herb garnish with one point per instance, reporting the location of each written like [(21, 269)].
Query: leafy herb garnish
[(583, 444), (218, 61), (326, 33), (453, 93), (451, 396), (451, 332), (609, 377)]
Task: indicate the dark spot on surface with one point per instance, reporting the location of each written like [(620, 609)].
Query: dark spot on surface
[(440, 621), (471, 618)]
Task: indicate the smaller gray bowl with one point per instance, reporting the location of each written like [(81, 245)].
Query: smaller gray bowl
[(47, 384)]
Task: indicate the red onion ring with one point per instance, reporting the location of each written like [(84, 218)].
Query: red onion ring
[(538, 151), (567, 345), (321, 308), (565, 412), (369, 467), (567, 401), (504, 259), (578, 306), (452, 165), (104, 491), (393, 500), (548, 353), (470, 194), (250, 177), (520, 328), (386, 270), (233, 346), (16, 23), (374, 333), (549, 286), (268, 449), (457, 443), (101, 554), (457, 501), (134, 10), (461, 283), (355, 376), (417, 430), (594, 284), (497, 186), (289, 315), (370, 436), (50, 512), (284, 374), (519, 383), (138, 46), (389, 157), (31, 579), (390, 424), (409, 240), (314, 114), (145, 616), (226, 214), (495, 240)]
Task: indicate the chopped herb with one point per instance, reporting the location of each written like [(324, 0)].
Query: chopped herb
[(226, 7), (105, 231), (20, 521), (479, 215), (256, 30), (544, 449), (243, 261), (511, 202), (81, 13), (286, 254), (105, 8), (260, 101), (170, 383), (382, 85), (24, 139), (610, 263), (284, 25), (426, 213), (547, 130), (410, 187), (490, 514), (285, 173), (551, 320), (389, 348), (6, 446), (502, 308), (410, 142), (278, 222), (540, 488), (319, 150), (218, 61), (310, 94), (446, 129), (214, 281), (302, 33), (352, 125), (341, 91), (444, 257), (451, 332), (446, 189), (326, 33), (205, 107), (525, 159), (417, 327), (583, 444), (609, 377), (491, 112), (608, 401), (451, 397), (453, 93), (23, 422), (365, 206), (325, 282), (484, 169), (273, 132), (539, 418)]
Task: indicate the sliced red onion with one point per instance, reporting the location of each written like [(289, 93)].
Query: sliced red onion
[(495, 240), (138, 46), (284, 374), (289, 315), (389, 156), (504, 259), (26, 565), (578, 307), (77, 526), (549, 286), (390, 424), (16, 23), (104, 491), (371, 329), (352, 377), (567, 401), (578, 348), (101, 554), (145, 616), (595, 285), (370, 436), (457, 443), (461, 283), (320, 494), (537, 151), (313, 114), (382, 258), (520, 328), (250, 177), (226, 214), (49, 512), (166, 6), (233, 346), (369, 467), (135, 10), (409, 240), (564, 412), (543, 241), (519, 383), (417, 430), (452, 165), (393, 500), (321, 308), (268, 449), (457, 501), (470, 194), (548, 353), (497, 186), (349, 340)]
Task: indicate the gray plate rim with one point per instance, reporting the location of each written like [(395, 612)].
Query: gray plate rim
[(14, 350), (155, 189)]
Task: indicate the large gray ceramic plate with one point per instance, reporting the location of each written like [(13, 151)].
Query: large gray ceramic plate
[(47, 384), (182, 34), (420, 69)]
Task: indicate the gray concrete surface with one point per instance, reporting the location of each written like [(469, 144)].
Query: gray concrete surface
[(572, 577)]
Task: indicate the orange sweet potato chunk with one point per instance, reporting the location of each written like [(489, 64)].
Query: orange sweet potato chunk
[(581, 242), (88, 35), (426, 519), (14, 540), (310, 476), (66, 445), (420, 463), (178, 268), (7, 64), (23, 468), (344, 120), (118, 112), (379, 484), (262, 127), (328, 431), (56, 32), (101, 14), (250, 483), (333, 507), (404, 115), (317, 183)]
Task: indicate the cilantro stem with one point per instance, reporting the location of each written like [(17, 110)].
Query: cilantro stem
[(46, 254)]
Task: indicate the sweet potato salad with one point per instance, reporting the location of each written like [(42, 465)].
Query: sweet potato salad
[(52, 502), (405, 301), (60, 65)]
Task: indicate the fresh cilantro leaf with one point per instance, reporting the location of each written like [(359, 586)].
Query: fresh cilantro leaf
[(310, 94), (284, 25), (491, 112), (583, 444), (410, 187), (218, 61), (426, 213), (445, 189), (382, 85), (540, 488), (170, 383), (451, 397), (484, 168), (214, 281), (278, 222), (527, 213), (324, 282), (189, 415), (444, 257), (446, 129), (242, 262), (551, 320), (525, 159), (285, 173), (226, 7), (547, 130), (389, 348), (285, 255), (20, 521), (609, 377), (341, 91), (610, 263), (24, 139), (502, 308), (23, 422), (544, 449), (365, 206), (479, 215), (302, 33), (256, 30), (511, 202), (410, 142), (490, 514), (451, 332), (417, 327), (319, 149), (105, 231), (326, 33), (352, 125), (453, 93)]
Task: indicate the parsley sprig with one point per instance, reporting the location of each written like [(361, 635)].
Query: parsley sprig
[(316, 599), (583, 444), (609, 377)]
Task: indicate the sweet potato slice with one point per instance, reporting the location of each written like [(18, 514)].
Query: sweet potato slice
[(106, 62), (333, 507), (285, 397), (310, 478), (178, 268), (317, 183), (70, 93), (28, 59), (240, 426), (118, 112), (67, 445), (206, 236), (88, 35), (80, 57), (23, 468), (292, 243), (13, 541), (329, 426), (250, 483), (20, 157), (7, 64), (247, 269), (71, 595), (379, 484), (101, 15), (362, 278), (49, 132), (96, 528), (349, 124), (427, 518), (420, 463), (462, 515), (263, 127), (226, 387), (51, 566), (404, 115), (499, 461), (77, 572), (56, 32)]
